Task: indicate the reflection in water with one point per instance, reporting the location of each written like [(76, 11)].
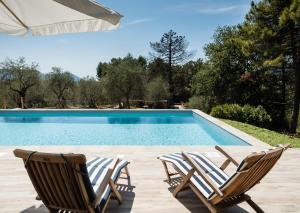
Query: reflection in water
[(119, 120), (100, 120), (22, 119)]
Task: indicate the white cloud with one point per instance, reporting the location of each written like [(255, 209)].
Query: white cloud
[(217, 10), (137, 22), (203, 8)]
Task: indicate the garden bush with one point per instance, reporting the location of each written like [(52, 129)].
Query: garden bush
[(199, 102), (247, 114)]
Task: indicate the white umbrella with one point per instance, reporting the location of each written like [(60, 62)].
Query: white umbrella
[(51, 17)]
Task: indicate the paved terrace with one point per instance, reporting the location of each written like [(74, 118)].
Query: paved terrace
[(278, 192)]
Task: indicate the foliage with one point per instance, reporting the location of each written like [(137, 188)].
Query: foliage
[(61, 84), (90, 92), (271, 40), (123, 80), (227, 69), (157, 68), (172, 49), (247, 114), (19, 77), (156, 91), (182, 79), (271, 137), (199, 102)]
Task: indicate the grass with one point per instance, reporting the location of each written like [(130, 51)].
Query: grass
[(265, 135)]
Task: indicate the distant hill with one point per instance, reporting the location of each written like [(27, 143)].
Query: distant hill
[(75, 77)]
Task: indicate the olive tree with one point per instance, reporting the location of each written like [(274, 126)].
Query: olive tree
[(19, 78), (90, 92), (61, 84), (123, 80)]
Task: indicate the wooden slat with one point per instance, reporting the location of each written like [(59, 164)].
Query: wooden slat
[(40, 183), (35, 183), (72, 188), (56, 183), (68, 188), (48, 182)]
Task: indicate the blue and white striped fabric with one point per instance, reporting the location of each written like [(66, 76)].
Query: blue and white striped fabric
[(216, 174), (97, 168)]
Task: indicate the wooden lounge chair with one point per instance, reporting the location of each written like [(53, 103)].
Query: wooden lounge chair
[(67, 183), (211, 184)]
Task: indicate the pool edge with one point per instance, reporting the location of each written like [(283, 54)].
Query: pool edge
[(232, 130)]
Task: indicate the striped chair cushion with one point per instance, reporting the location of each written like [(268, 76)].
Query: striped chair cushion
[(97, 168), (216, 174)]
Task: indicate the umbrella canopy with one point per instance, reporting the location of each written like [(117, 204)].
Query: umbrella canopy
[(51, 17)]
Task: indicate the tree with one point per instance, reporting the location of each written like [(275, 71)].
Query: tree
[(61, 84), (156, 91), (123, 80), (157, 68), (102, 66), (272, 39), (20, 77), (4, 90), (183, 75), (91, 92), (204, 88), (289, 23), (229, 67), (171, 48)]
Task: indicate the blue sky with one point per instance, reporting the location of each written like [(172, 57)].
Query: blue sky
[(144, 21)]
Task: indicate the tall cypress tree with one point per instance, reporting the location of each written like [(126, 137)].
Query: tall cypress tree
[(172, 48)]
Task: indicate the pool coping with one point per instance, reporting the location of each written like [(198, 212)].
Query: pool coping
[(232, 130), (228, 128)]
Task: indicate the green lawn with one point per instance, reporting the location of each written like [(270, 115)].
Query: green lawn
[(265, 135)]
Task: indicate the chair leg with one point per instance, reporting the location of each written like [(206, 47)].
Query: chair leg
[(255, 206), (115, 191), (166, 170), (127, 172), (128, 175), (184, 182)]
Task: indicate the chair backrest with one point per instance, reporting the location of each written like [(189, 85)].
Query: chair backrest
[(249, 173), (61, 181)]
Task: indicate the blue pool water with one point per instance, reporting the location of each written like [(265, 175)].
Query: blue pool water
[(110, 128)]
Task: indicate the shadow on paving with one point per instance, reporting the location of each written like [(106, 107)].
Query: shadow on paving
[(191, 202), (113, 206)]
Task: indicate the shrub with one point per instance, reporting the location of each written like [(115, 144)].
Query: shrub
[(200, 102), (157, 91), (248, 114)]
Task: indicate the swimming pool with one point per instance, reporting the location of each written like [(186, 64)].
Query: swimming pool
[(96, 127)]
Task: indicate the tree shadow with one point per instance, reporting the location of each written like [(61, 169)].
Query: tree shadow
[(191, 202)]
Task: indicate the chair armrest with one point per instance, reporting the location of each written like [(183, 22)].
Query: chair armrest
[(229, 159), (202, 173), (285, 146), (104, 184)]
